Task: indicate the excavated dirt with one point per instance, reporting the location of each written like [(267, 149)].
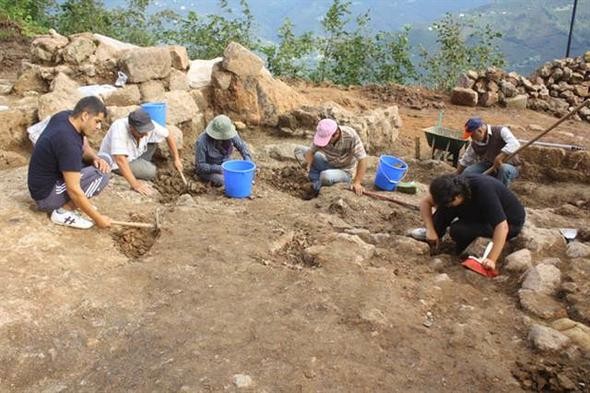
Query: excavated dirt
[(135, 242), (170, 185), (290, 179), (546, 375)]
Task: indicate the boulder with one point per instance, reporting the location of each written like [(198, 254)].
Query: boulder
[(407, 246), (143, 64), (542, 278), (241, 61), (57, 101), (152, 91), (488, 98), (124, 96), (465, 97), (540, 239), (44, 48), (576, 331), (177, 80), (14, 124), (546, 339), (179, 57), (181, 106), (541, 305), (577, 249), (64, 83), (79, 50), (518, 261), (281, 152), (201, 98), (517, 102), (178, 138), (30, 80), (275, 97), (465, 81)]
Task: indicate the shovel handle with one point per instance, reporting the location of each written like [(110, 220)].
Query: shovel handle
[(133, 224), (183, 178)]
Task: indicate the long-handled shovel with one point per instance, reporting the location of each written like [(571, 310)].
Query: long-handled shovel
[(155, 225), (558, 122)]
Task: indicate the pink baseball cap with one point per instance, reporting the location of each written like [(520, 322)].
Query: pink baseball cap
[(324, 131)]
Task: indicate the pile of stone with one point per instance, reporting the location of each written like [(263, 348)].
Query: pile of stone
[(556, 87)]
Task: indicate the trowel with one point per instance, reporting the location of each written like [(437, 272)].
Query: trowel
[(475, 264)]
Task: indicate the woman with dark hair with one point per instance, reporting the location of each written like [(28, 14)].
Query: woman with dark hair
[(470, 205)]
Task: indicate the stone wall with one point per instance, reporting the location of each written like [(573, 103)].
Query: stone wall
[(556, 87)]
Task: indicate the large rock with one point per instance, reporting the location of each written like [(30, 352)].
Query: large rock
[(241, 61), (576, 331), (62, 82), (541, 305), (407, 246), (246, 91), (30, 80), (181, 107), (543, 278), (152, 91), (179, 57), (79, 50), (177, 80), (124, 96), (465, 97), (517, 102), (546, 339), (281, 152), (518, 261), (540, 239), (143, 64), (14, 124), (57, 101), (44, 48), (577, 249), (118, 112)]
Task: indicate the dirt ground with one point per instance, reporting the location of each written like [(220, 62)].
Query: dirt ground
[(225, 298)]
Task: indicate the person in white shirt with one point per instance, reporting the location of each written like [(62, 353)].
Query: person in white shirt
[(489, 148), (130, 144)]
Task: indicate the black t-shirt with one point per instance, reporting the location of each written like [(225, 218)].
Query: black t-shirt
[(58, 149), (491, 202)]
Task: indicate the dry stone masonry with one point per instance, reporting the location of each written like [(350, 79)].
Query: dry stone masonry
[(556, 87)]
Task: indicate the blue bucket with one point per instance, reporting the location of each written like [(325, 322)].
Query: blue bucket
[(391, 170), (157, 111), (238, 176)]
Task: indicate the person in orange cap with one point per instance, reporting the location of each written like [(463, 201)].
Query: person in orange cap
[(489, 148)]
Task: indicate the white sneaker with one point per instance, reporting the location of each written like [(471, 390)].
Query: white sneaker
[(418, 233), (70, 219)]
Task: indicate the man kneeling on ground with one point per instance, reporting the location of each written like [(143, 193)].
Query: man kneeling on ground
[(332, 157), (131, 143), (57, 179), (472, 205)]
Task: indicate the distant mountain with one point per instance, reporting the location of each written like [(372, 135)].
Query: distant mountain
[(533, 31)]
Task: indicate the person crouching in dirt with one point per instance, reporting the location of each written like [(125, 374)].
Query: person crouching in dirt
[(489, 148), (130, 145), (470, 205), (332, 157), (58, 180), (215, 146)]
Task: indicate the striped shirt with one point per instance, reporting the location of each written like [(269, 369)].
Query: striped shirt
[(345, 153)]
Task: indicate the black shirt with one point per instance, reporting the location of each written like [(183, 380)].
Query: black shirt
[(58, 149), (491, 202)]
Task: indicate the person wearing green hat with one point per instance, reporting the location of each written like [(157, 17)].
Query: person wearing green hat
[(215, 146)]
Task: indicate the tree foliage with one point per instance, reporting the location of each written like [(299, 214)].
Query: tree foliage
[(461, 46), (346, 51)]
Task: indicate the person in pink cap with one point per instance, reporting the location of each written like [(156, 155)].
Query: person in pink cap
[(332, 158)]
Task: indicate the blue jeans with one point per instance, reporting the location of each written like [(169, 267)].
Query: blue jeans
[(321, 172), (506, 173)]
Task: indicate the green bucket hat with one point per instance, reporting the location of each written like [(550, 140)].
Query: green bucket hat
[(221, 128)]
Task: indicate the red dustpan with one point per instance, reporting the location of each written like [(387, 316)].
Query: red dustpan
[(473, 263)]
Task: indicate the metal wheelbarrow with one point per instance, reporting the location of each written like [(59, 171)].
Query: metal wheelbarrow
[(446, 143)]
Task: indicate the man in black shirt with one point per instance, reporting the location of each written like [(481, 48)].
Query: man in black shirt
[(482, 205), (58, 180)]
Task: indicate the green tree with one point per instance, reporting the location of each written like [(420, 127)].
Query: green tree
[(392, 62), (459, 51), (77, 16), (290, 58), (207, 36), (30, 15), (132, 23)]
